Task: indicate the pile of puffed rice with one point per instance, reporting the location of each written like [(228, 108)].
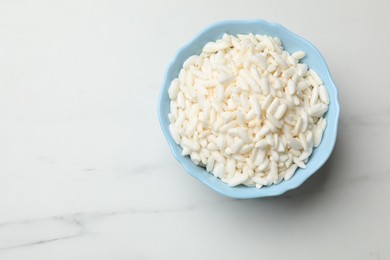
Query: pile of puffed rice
[(248, 111)]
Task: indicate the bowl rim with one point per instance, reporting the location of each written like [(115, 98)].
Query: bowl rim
[(238, 194)]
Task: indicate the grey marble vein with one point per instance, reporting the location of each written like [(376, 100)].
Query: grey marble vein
[(80, 220), (39, 242)]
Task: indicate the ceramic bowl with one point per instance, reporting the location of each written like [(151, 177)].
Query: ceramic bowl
[(291, 42)]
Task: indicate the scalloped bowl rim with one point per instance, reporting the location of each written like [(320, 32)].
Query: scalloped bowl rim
[(291, 42)]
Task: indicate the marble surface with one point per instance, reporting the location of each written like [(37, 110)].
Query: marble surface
[(85, 172)]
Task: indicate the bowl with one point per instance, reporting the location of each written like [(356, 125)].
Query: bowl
[(291, 42)]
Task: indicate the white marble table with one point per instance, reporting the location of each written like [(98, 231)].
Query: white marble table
[(85, 172)]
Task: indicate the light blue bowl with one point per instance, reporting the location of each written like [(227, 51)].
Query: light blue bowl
[(291, 43)]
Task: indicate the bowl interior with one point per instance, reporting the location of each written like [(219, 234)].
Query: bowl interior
[(291, 42)]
